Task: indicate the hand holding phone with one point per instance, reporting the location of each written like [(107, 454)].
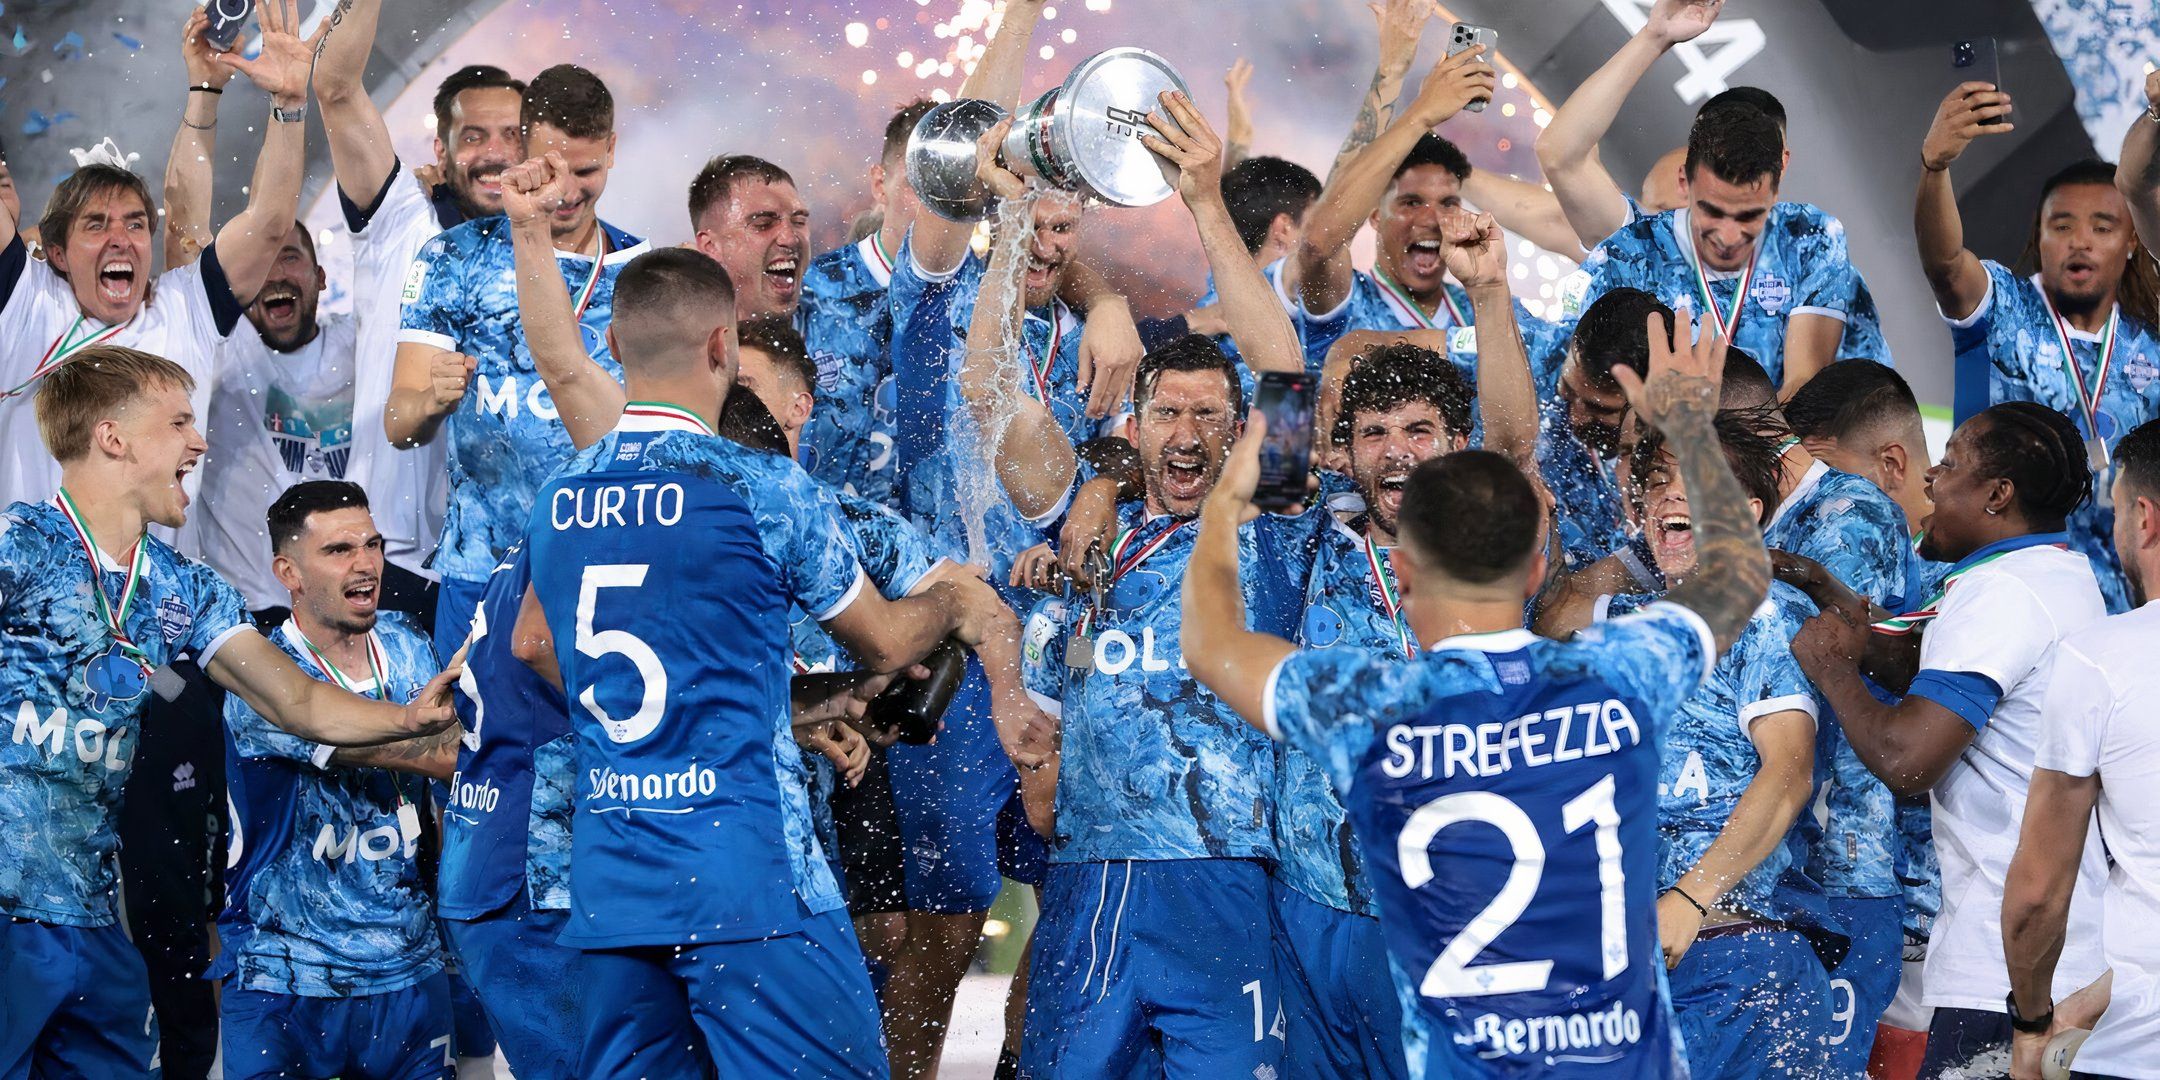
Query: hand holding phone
[(1467, 36), (1286, 399), (227, 19), (1977, 61)]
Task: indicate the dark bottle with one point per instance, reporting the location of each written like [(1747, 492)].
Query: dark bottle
[(915, 706)]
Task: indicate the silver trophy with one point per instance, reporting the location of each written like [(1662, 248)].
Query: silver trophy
[(1082, 136)]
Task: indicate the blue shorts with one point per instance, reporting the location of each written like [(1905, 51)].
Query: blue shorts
[(470, 1035), (399, 1035), (795, 1005), (530, 988), (454, 607), (947, 795), (1341, 1015), (74, 1001), (1022, 853), (1867, 979), (1152, 969), (1753, 1004)]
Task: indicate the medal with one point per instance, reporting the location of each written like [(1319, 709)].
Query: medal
[(1124, 557), (64, 346), (2100, 425), (121, 672), (1407, 310), (1385, 597), (1731, 326)]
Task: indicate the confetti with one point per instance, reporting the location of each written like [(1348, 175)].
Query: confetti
[(123, 39), (39, 123), (69, 47), (22, 44)]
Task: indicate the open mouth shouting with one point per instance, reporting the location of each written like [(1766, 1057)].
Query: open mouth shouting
[(1423, 259), (783, 275), (360, 594), (1185, 475), (279, 305), (116, 280), (1040, 273), (1673, 535), (1388, 492)]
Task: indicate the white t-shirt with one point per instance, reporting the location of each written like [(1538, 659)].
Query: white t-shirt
[(178, 322), (275, 419), (2103, 710), (408, 489), (2002, 620)]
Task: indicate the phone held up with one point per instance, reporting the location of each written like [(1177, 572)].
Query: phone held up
[(1467, 36), (1286, 399), (1976, 61), (227, 19)]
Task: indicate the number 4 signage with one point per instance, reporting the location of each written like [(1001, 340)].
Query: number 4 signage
[(1709, 59)]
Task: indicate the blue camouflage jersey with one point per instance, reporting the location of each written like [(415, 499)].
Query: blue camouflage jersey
[(2008, 349), (1503, 788), (894, 555), (1272, 273), (692, 823), (327, 899), (1588, 509), (1859, 535), (1376, 303), (1800, 267), (75, 713), (847, 324), (505, 438), (506, 822), (1155, 766), (1708, 759)]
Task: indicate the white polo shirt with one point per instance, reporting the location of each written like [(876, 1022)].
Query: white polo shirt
[(2103, 710), (2002, 620)]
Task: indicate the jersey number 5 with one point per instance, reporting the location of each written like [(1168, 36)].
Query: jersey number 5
[(601, 643), (1451, 974)]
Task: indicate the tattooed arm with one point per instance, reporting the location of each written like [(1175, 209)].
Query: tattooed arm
[(1680, 398), (433, 756), (1402, 23)]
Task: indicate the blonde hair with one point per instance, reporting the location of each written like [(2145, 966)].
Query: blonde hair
[(92, 386)]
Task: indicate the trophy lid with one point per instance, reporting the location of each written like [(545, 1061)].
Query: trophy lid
[(941, 158), (1106, 101)]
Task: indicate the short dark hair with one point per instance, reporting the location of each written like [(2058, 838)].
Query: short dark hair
[(1611, 334), (719, 176), (775, 335), (1431, 149), (901, 127), (1754, 96), (1193, 352), (1737, 143), (664, 287), (745, 419), (2137, 461), (1391, 374), (1849, 397), (1746, 384), (2041, 453), (289, 515), (1473, 514), (1257, 190), (1751, 455), (470, 77), (571, 100)]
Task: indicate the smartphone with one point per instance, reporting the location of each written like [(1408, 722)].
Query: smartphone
[(1468, 35), (1286, 399), (1975, 61), (227, 19)]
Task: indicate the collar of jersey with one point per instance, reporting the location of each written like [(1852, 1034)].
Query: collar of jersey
[(1686, 238), (874, 258), (644, 416), (1806, 487), (622, 247), (2059, 539), (1491, 641)]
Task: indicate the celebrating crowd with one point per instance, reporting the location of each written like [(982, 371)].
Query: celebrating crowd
[(652, 659)]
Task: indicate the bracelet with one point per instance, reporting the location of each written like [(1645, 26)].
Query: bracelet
[(206, 89), (1692, 902), (211, 126), (2152, 113)]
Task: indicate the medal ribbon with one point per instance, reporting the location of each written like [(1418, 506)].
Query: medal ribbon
[(876, 247), (1910, 621), (1406, 308), (114, 616), (671, 412), (1041, 369), (376, 663), (1387, 599), (1123, 563), (63, 347), (2088, 396), (1702, 285), (592, 281)]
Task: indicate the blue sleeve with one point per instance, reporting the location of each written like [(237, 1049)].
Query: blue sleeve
[(1772, 681), (14, 259), (357, 217), (1331, 703), (219, 613), (895, 554), (1661, 654), (434, 296), (1829, 281), (1970, 695), (1972, 362), (806, 539)]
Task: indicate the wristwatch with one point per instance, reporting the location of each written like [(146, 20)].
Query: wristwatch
[(284, 115), (2038, 1025)]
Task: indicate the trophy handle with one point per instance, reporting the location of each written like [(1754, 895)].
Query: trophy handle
[(941, 158)]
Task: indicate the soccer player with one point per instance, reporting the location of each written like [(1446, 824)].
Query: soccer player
[(331, 962), (78, 680), (1521, 759), (462, 360), (93, 286), (2100, 726), (2008, 480), (2079, 337), (390, 213), (762, 965)]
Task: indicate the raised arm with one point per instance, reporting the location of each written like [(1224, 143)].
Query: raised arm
[(1525, 209), (1321, 269), (274, 686), (1957, 277), (1475, 253), (1237, 125), (1257, 321), (249, 243), (188, 167), (1227, 658), (1680, 399), (1034, 461), (360, 147), (1785, 744), (1568, 147), (1401, 23), (588, 399), (939, 245), (2138, 170)]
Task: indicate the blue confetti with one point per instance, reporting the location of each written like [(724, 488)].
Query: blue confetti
[(22, 44), (69, 46), (39, 123), (123, 39)]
